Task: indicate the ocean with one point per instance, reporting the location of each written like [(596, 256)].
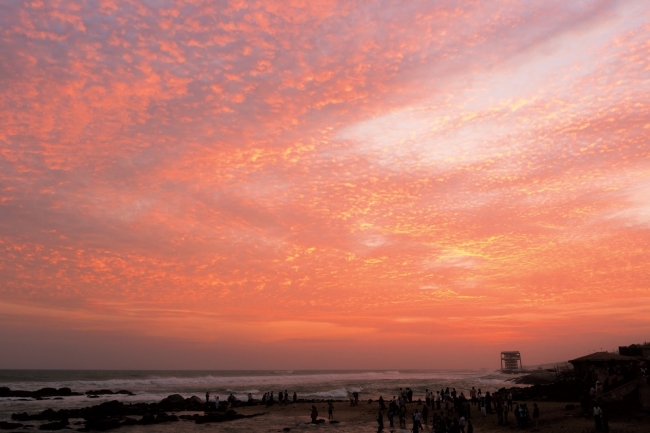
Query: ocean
[(153, 386)]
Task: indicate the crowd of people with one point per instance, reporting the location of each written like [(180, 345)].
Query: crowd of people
[(449, 411)]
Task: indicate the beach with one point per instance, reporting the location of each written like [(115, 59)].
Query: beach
[(317, 389), (154, 385), (554, 418)]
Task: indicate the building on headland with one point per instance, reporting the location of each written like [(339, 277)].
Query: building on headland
[(511, 361), (598, 363), (636, 350)]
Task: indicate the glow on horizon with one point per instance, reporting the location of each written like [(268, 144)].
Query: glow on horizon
[(322, 184)]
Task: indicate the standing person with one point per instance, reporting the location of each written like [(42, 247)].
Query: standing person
[(402, 417), (499, 413), (295, 397), (380, 422), (505, 414), (416, 421), (438, 400), (605, 419), (428, 397), (536, 416), (488, 402), (330, 411), (216, 402), (465, 409), (207, 397), (472, 395), (425, 414), (598, 412), (461, 424), (314, 414), (509, 398), (517, 415)]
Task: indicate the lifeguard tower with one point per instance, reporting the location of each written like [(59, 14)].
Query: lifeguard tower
[(511, 361)]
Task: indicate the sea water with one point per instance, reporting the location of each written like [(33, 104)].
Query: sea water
[(153, 386)]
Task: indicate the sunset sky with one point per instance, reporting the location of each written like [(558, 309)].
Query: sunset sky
[(322, 184)]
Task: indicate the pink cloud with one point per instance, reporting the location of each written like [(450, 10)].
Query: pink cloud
[(316, 165)]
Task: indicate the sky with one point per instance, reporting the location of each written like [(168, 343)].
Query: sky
[(322, 185)]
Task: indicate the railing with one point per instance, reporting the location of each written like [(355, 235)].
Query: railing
[(620, 392)]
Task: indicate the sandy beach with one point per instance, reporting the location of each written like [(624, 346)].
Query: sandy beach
[(554, 418)]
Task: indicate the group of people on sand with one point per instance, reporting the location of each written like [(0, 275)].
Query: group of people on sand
[(230, 401), (448, 411), (268, 399), (283, 398)]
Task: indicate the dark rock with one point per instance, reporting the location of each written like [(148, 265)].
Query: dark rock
[(46, 392), (195, 400), (147, 419), (163, 417), (57, 425), (100, 392), (174, 398), (43, 392), (103, 424), (124, 392), (46, 415), (20, 416), (108, 409), (174, 401), (4, 425), (230, 415), (93, 396)]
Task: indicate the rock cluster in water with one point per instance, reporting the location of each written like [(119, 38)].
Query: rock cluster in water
[(114, 414)]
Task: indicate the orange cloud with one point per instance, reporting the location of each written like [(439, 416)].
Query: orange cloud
[(285, 174)]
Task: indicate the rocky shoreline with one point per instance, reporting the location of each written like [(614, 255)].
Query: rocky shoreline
[(115, 414), (60, 392)]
